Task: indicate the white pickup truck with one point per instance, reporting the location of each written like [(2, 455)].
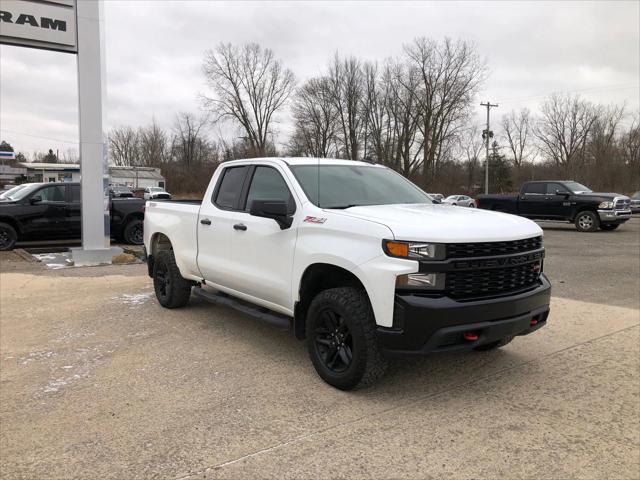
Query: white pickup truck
[(353, 257)]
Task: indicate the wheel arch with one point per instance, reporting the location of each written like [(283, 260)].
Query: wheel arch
[(13, 222), (159, 241), (316, 278)]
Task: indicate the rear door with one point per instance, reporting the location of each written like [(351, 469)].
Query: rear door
[(215, 225), (73, 211), (532, 199)]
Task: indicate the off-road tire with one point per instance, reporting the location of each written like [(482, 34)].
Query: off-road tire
[(367, 362), (8, 236), (132, 233), (493, 345), (587, 221), (610, 227), (172, 291)]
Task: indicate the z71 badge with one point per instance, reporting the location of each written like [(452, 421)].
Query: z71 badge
[(310, 219)]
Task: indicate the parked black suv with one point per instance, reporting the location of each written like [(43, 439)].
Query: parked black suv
[(565, 201), (51, 211)]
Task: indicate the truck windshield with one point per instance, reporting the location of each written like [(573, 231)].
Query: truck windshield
[(23, 192), (576, 187), (344, 186)]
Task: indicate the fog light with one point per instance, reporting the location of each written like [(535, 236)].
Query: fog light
[(428, 281)]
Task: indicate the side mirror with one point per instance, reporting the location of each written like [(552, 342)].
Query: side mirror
[(274, 209), (35, 199)]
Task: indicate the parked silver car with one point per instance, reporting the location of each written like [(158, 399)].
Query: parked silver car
[(460, 200), (156, 193)]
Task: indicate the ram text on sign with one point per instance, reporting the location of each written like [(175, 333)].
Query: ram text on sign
[(29, 23)]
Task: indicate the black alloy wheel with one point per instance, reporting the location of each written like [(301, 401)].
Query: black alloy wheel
[(333, 341), (8, 237), (134, 232)]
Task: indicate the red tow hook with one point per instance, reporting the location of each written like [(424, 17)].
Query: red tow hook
[(470, 336), (533, 322)]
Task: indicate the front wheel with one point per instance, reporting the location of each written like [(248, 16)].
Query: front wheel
[(341, 339), (608, 228), (587, 221), (8, 236), (172, 291)]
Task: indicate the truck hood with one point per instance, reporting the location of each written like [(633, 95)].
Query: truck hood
[(444, 223), (601, 195)]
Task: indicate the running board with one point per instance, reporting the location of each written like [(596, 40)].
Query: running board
[(261, 313)]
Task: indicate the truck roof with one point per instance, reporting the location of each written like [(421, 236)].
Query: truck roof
[(304, 161)]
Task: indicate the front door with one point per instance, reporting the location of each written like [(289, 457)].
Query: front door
[(557, 201), (262, 252), (46, 214), (74, 212)]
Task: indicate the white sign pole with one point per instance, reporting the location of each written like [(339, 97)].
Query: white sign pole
[(93, 148)]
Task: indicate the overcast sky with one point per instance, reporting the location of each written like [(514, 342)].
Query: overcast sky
[(155, 50)]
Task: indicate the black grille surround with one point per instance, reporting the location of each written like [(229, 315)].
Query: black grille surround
[(486, 249), (489, 269)]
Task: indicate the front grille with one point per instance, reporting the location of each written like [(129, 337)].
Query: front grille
[(623, 204), (490, 282), (486, 249)]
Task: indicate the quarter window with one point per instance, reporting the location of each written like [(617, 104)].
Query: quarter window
[(230, 186)]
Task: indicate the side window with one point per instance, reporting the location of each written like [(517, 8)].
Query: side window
[(268, 184), (55, 193), (552, 187), (75, 193), (535, 188), (230, 186)]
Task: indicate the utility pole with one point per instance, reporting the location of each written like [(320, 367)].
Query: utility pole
[(487, 135)]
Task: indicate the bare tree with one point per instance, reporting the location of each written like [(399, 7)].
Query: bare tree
[(517, 130), (123, 146), (451, 74), (630, 143), (189, 147), (563, 130), (153, 145), (249, 85), (315, 119), (471, 146), (347, 89)]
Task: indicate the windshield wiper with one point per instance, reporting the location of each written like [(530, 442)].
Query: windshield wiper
[(343, 207)]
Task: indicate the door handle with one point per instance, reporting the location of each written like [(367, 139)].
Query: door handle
[(239, 226), (205, 221)]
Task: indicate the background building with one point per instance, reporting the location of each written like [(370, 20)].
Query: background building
[(136, 177)]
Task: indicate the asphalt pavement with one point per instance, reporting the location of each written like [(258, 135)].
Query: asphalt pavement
[(98, 381)]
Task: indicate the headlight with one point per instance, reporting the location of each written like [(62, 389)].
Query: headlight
[(606, 205), (414, 250), (421, 281)]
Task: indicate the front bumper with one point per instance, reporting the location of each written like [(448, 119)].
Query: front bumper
[(425, 324), (614, 216)]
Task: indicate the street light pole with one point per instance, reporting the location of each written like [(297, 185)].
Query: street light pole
[(487, 134)]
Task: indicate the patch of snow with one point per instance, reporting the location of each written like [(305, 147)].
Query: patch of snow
[(134, 300)]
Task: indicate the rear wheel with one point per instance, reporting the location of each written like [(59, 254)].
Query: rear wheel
[(587, 221), (493, 345), (172, 291), (8, 236), (133, 232), (609, 227), (341, 339), (472, 205)]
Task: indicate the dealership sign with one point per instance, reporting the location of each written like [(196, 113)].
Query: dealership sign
[(47, 24)]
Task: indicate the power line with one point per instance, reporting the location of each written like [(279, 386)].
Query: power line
[(39, 136), (604, 88)]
